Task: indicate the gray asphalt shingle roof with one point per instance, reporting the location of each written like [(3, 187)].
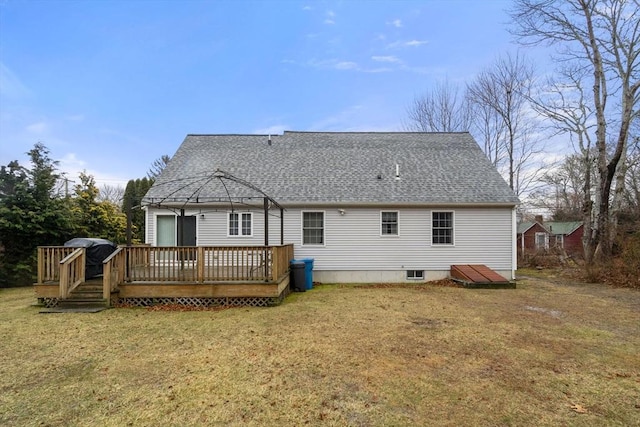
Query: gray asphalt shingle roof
[(334, 167)]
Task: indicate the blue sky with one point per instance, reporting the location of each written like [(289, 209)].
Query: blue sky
[(109, 86)]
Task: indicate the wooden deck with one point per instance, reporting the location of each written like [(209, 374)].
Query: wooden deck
[(478, 275), (144, 275)]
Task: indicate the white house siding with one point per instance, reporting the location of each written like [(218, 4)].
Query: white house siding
[(354, 250)]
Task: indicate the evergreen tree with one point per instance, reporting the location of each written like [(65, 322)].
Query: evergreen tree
[(94, 218), (133, 194), (31, 214)]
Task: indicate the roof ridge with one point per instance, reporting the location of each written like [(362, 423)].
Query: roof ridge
[(377, 132), (233, 134)]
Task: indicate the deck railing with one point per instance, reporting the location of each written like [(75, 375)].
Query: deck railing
[(151, 264), (113, 269), (72, 269), (49, 258), (200, 264)]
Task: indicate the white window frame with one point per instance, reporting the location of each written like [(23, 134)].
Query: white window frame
[(397, 224), (415, 274), (324, 228), (453, 228), (175, 226), (546, 240), (240, 228)]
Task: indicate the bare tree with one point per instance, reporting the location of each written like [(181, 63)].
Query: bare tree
[(489, 129), (158, 166), (563, 193), (602, 38), (111, 193), (631, 197), (501, 95), (442, 109)]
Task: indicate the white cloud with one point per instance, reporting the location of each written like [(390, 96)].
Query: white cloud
[(416, 42), (334, 64), (389, 58), (377, 70), (272, 130), (410, 43), (396, 23), (75, 117), (10, 84), (330, 15), (307, 8), (71, 166), (346, 65), (38, 128), (356, 118)]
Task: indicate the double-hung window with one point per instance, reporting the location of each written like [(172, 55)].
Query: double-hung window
[(389, 223), (313, 228), (442, 228), (241, 224)]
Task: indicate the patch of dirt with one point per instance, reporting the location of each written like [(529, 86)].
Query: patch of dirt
[(422, 286), (429, 323), (553, 313), (177, 307)]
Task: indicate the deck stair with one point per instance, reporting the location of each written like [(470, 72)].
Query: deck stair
[(479, 276), (88, 295)]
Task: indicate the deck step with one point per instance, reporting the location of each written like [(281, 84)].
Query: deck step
[(86, 294)]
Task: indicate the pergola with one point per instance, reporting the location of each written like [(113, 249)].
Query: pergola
[(172, 201)]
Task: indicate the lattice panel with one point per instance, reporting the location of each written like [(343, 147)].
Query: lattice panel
[(49, 302), (204, 302)]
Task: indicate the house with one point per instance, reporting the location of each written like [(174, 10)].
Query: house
[(538, 235), (366, 206), (567, 235), (533, 236)]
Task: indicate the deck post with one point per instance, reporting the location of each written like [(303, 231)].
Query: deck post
[(40, 265), (281, 226), (266, 221), (200, 264)]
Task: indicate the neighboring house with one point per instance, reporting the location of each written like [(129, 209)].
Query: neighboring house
[(532, 237), (567, 235), (368, 207)]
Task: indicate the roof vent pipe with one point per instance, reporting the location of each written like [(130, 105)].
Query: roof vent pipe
[(397, 171), (269, 140)]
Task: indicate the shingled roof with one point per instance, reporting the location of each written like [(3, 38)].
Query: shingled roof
[(334, 167)]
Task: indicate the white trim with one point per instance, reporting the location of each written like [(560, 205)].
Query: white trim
[(397, 224), (175, 226), (514, 243), (546, 240), (453, 228), (240, 214), (415, 277), (324, 228)]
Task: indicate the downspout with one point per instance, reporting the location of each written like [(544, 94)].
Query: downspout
[(514, 237)]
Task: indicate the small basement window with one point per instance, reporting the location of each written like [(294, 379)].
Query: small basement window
[(415, 274)]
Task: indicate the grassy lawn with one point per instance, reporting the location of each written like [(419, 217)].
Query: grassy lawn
[(542, 354)]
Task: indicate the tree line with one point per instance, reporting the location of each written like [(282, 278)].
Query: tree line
[(591, 101), (37, 208)]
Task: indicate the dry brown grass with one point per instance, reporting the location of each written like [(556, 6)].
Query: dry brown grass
[(542, 354)]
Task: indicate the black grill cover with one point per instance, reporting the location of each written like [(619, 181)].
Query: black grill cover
[(97, 251)]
